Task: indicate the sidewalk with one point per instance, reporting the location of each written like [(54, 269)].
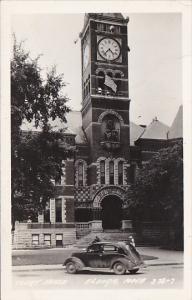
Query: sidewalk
[(164, 257), (161, 257)]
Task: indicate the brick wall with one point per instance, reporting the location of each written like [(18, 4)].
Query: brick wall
[(69, 170), (70, 215)]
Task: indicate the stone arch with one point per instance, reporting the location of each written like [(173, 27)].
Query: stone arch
[(110, 112), (100, 70), (110, 71), (107, 191), (119, 72)]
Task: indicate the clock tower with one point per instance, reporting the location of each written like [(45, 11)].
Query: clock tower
[(105, 82), (105, 114)]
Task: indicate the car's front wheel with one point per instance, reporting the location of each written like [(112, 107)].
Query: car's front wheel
[(119, 268), (134, 271), (71, 267)]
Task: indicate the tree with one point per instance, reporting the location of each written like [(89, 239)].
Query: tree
[(157, 194), (36, 158)]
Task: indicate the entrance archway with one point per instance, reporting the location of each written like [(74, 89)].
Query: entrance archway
[(111, 212)]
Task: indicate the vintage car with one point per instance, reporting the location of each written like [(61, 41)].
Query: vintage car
[(119, 257)]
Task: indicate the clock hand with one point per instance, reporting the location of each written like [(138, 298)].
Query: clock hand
[(109, 49)]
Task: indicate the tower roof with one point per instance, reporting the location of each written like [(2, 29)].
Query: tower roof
[(135, 132), (156, 130), (112, 15), (176, 130), (105, 16)]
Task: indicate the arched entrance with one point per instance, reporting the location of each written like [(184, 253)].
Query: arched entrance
[(111, 212)]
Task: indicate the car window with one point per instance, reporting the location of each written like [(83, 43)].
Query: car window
[(109, 248), (94, 249)]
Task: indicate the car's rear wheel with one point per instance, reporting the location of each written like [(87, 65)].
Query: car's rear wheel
[(133, 271), (119, 268), (71, 267)]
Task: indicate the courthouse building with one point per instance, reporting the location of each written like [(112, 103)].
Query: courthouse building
[(92, 196)]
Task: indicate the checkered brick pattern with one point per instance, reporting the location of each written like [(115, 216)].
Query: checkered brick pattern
[(82, 194)]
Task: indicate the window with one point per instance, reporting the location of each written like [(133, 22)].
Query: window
[(118, 81), (80, 174), (94, 248), (59, 240), (47, 212), (111, 172), (58, 210), (101, 79), (35, 239), (120, 172), (47, 239), (58, 180), (100, 26), (102, 171), (109, 248)]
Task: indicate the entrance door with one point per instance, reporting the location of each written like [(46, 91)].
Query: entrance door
[(111, 212)]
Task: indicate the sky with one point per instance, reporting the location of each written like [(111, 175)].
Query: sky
[(155, 59)]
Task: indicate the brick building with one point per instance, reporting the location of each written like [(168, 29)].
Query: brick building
[(90, 196)]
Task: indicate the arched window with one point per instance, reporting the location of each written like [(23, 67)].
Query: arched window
[(110, 74), (80, 174), (120, 172), (102, 171), (101, 79), (118, 81), (111, 172)]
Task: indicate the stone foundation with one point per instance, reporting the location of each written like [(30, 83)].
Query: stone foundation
[(43, 235)]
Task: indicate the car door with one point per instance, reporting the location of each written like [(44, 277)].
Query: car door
[(94, 256), (110, 252)]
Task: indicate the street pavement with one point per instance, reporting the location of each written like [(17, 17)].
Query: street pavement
[(43, 269), (168, 277), (56, 256)]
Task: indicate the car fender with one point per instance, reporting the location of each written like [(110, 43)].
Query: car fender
[(78, 262), (127, 263)]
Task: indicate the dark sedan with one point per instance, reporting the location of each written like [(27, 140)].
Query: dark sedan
[(117, 256)]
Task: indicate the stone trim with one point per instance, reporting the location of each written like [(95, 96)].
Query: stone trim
[(52, 210), (116, 169), (63, 210), (106, 191), (110, 112), (106, 71)]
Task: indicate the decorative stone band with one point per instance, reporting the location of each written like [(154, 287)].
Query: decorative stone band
[(107, 71), (106, 191), (116, 170), (110, 112)]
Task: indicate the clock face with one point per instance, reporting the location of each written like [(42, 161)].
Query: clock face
[(86, 56), (109, 49)]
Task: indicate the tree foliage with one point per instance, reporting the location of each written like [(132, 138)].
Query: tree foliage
[(159, 185), (36, 158), (157, 194)]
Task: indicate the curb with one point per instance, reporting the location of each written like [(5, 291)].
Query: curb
[(60, 267)]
